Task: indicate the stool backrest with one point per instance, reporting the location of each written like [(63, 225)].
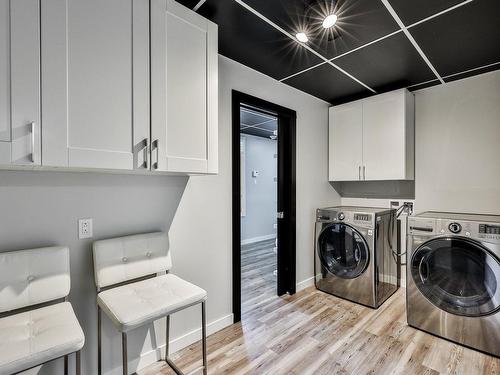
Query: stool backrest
[(31, 277), (121, 259)]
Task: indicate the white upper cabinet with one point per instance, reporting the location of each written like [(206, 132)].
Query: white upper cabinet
[(95, 83), (378, 135), (184, 76), (20, 82), (346, 142)]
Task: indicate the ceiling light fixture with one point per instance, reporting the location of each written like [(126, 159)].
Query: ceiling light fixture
[(302, 37), (329, 21)]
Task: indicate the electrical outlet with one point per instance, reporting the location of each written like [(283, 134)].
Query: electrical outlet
[(84, 228)]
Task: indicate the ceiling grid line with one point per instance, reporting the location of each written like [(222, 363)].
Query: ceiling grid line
[(380, 39), (439, 14), (411, 39), (283, 31)]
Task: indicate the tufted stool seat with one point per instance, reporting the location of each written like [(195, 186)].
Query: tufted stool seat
[(37, 324), (133, 305), (133, 290), (30, 338)]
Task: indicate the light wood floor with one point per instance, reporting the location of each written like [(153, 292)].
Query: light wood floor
[(315, 333), (258, 261)]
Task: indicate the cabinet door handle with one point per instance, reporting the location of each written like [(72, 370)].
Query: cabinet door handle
[(359, 172), (145, 151), (156, 145), (364, 172), (33, 126)]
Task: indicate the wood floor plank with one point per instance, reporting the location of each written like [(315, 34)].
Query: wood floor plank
[(313, 333)]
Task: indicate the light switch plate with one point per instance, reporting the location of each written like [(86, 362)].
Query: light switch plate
[(84, 228)]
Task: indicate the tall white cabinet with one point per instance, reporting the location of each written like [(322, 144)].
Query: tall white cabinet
[(20, 82), (184, 76), (373, 139)]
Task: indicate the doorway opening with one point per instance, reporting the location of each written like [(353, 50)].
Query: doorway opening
[(263, 201)]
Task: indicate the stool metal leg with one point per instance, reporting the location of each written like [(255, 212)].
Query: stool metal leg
[(99, 339), (78, 364), (204, 337), (66, 365), (167, 336), (124, 353), (172, 365)]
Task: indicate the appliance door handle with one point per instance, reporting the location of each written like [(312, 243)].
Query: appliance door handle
[(32, 129), (364, 173), (423, 267), (359, 172)]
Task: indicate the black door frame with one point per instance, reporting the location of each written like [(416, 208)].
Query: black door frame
[(287, 121)]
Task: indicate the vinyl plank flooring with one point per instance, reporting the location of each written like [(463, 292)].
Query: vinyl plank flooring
[(313, 333)]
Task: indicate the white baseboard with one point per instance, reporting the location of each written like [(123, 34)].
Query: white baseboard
[(304, 284), (152, 356), (257, 239)]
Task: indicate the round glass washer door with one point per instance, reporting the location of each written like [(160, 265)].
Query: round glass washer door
[(458, 275), (343, 251)]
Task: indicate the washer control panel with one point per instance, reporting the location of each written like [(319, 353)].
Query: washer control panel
[(467, 228)]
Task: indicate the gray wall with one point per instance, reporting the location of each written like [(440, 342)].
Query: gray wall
[(457, 156), (261, 191), (42, 208)]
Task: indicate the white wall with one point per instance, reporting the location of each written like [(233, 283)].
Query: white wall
[(261, 191), (42, 208), (457, 135), (202, 224)]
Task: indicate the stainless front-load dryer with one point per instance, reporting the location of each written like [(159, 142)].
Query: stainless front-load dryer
[(355, 253), (453, 277)]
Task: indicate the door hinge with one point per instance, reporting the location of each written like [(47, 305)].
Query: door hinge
[(280, 215)]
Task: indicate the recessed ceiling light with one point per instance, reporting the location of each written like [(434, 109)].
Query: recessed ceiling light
[(329, 21), (302, 37)]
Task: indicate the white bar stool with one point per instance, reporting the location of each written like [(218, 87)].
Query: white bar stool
[(37, 324), (132, 291)]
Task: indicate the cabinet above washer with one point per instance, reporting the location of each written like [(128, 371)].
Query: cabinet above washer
[(373, 139)]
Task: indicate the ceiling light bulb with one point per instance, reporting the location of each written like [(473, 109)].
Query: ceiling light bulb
[(329, 21), (301, 37)]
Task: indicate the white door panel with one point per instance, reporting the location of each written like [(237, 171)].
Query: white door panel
[(184, 89), (384, 136), (20, 82), (95, 92), (345, 142)]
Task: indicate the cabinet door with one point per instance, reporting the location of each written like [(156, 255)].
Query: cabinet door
[(384, 138), (184, 89), (345, 142), (95, 76), (19, 82)]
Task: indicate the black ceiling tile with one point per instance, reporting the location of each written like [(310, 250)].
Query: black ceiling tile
[(271, 126), (257, 132), (465, 38), (251, 41), (474, 72), (250, 118), (359, 21), (329, 84), (189, 3), (387, 65), (424, 85), (413, 11)]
